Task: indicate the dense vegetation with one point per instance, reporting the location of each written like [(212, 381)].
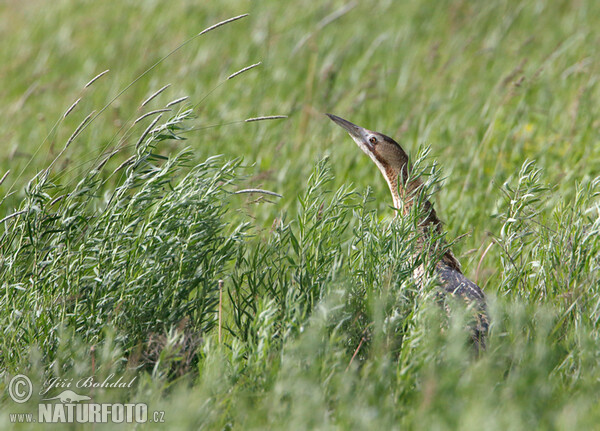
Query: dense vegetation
[(132, 246)]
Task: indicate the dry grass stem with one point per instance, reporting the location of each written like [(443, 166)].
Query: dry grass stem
[(125, 163), (147, 114), (106, 159), (245, 69), (176, 101), (219, 24), (58, 198), (148, 129), (68, 111), (268, 117), (13, 215), (481, 260), (362, 340), (153, 95), (95, 78), (78, 130), (4, 176), (264, 192)]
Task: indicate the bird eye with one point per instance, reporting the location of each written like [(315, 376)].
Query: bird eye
[(373, 140)]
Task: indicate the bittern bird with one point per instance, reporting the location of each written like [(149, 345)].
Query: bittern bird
[(393, 163)]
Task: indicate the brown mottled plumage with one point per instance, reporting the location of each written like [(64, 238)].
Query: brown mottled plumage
[(393, 163)]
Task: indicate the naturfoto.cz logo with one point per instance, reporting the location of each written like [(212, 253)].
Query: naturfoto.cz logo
[(69, 406)]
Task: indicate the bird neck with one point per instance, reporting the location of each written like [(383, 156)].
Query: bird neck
[(405, 195)]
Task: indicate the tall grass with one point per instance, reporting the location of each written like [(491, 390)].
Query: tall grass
[(128, 250)]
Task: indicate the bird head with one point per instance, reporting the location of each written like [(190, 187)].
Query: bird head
[(393, 163), (389, 157)]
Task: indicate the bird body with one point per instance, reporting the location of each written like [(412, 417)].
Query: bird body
[(394, 165)]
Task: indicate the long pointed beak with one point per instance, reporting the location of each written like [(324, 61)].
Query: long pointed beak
[(355, 131)]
